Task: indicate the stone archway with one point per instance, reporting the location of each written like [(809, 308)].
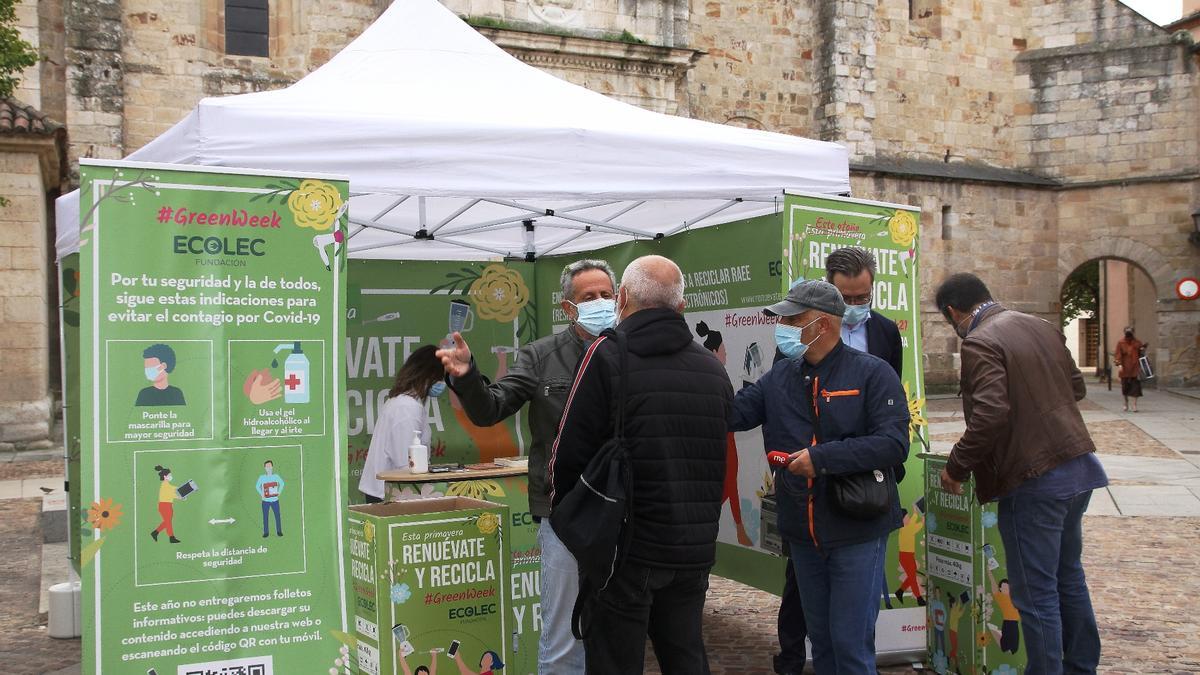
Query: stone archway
[(1153, 263), (1177, 324)]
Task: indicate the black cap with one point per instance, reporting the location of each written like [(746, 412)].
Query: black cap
[(812, 294)]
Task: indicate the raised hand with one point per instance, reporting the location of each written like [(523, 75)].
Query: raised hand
[(455, 357)]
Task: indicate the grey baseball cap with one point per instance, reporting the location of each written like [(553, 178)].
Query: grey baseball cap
[(812, 294)]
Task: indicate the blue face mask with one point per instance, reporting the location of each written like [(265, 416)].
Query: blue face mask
[(596, 316), (437, 389), (856, 314), (788, 339), (152, 373)]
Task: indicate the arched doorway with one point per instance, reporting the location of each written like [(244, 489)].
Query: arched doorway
[(1099, 299)]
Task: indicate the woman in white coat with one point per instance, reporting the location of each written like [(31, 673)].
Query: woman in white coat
[(400, 417)]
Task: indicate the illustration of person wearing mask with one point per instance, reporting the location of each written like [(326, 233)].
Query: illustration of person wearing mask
[(166, 504), (269, 487), (159, 363)]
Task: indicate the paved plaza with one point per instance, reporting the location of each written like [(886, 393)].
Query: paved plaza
[(1142, 551)]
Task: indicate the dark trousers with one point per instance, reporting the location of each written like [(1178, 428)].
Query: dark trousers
[(666, 605), (267, 508), (1043, 540), (792, 628)]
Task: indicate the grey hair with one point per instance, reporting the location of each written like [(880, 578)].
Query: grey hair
[(645, 291), (850, 261), (567, 278)]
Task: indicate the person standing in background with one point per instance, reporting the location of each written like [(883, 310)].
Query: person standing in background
[(1129, 350)]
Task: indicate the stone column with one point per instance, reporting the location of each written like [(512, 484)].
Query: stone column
[(95, 80), (844, 91), (29, 173)]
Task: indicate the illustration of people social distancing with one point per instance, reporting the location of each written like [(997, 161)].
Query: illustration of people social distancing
[(269, 487), (159, 364)]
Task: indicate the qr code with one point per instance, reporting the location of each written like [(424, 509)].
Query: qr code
[(255, 669), (262, 665)]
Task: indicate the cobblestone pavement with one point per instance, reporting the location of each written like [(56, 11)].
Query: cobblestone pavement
[(25, 648)]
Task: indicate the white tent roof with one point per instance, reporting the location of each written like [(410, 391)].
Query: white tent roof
[(443, 132)]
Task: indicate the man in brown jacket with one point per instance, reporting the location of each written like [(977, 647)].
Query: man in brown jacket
[(1028, 448)]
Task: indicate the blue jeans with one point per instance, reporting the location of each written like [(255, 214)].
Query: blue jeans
[(558, 650), (1043, 541), (268, 507), (839, 589)]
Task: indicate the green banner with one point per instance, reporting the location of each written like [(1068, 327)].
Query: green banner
[(212, 418), (813, 227), (395, 307), (731, 272)]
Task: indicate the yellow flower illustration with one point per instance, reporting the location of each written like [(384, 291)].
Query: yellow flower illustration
[(487, 523), (499, 293), (916, 419), (903, 228), (475, 489), (315, 204), (369, 532), (104, 514)]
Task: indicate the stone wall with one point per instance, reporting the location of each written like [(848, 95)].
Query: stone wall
[(758, 64), (95, 75), (1006, 234), (944, 78), (25, 401), (1111, 110)]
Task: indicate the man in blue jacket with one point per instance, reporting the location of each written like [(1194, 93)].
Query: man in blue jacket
[(837, 412)]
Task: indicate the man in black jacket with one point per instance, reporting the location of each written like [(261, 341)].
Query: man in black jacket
[(678, 399), (852, 271)]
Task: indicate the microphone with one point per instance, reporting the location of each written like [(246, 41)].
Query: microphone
[(777, 458)]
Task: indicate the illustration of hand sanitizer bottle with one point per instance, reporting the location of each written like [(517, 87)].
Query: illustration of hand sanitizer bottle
[(295, 374)]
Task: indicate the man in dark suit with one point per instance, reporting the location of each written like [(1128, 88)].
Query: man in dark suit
[(852, 270)]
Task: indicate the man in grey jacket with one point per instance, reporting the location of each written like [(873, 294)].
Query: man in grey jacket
[(541, 377)]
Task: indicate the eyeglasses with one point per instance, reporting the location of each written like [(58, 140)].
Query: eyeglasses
[(857, 299)]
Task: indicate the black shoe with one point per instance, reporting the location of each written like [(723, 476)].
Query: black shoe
[(900, 594), (154, 535), (174, 540), (265, 535), (921, 601), (279, 533)]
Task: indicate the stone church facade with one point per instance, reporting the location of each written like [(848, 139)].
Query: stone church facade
[(1035, 135)]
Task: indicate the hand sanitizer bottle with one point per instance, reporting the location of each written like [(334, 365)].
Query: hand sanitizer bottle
[(418, 455), (295, 374)]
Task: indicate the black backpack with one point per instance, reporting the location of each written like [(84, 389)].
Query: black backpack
[(593, 520)]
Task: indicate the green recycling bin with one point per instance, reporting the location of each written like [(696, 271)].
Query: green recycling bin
[(972, 626)]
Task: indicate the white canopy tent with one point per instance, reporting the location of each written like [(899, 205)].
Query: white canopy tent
[(457, 150)]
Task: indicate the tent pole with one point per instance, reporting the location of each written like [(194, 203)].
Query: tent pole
[(454, 215), (388, 210), (688, 223)]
